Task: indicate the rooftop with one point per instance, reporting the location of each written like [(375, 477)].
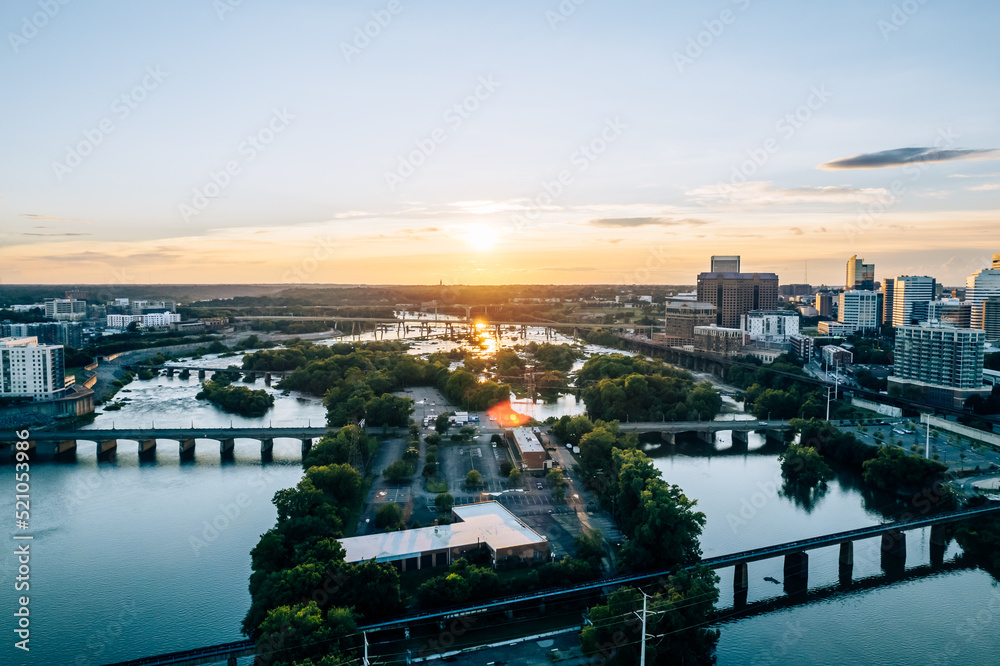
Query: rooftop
[(485, 522), (526, 441)]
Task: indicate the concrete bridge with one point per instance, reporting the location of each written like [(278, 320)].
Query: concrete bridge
[(893, 551), (62, 444), (705, 430), (203, 373)]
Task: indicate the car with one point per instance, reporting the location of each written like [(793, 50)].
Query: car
[(539, 486)]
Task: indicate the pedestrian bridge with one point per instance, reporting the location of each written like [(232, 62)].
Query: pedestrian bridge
[(63, 443)]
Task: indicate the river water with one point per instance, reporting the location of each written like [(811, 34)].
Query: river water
[(130, 559)]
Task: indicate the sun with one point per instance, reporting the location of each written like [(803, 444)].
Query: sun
[(480, 237)]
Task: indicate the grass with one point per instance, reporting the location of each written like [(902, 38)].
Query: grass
[(435, 485)]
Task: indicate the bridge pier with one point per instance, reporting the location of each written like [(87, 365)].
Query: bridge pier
[(894, 551), (741, 584), (65, 450), (107, 450), (846, 562), (227, 448), (939, 543), (201, 374), (796, 573), (231, 661), (267, 449), (267, 378), (147, 450), (170, 372), (669, 438), (741, 438), (307, 445), (187, 450), (706, 436)]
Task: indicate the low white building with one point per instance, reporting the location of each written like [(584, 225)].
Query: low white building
[(771, 325), (146, 320)]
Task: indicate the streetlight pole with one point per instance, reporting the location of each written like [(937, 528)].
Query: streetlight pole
[(642, 653)]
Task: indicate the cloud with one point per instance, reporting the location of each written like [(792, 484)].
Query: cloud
[(761, 193), (29, 233), (629, 222), (797, 231), (51, 218), (903, 156), (994, 174), (985, 187), (569, 269)]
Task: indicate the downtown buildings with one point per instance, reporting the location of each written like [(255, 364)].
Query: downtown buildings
[(31, 370), (860, 276), (912, 295), (736, 294), (938, 363)]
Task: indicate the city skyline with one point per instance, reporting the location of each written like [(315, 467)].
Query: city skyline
[(283, 144)]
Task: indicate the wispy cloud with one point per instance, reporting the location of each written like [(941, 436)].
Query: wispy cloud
[(31, 233), (761, 193), (903, 156), (993, 174), (628, 222), (51, 218), (985, 187)]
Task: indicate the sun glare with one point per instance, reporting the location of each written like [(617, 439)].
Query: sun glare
[(481, 237)]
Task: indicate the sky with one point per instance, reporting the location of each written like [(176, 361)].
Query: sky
[(465, 142)]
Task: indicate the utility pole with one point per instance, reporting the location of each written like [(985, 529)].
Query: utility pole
[(642, 654), (366, 662)]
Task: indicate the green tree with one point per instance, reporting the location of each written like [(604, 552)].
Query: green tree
[(291, 634), (473, 479), (804, 466), (514, 478), (444, 502), (558, 483), (398, 471), (389, 516)]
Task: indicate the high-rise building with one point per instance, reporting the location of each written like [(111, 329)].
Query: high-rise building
[(65, 308), (725, 263), (888, 292), (979, 287), (860, 276), (996, 261), (824, 303), (950, 311), (803, 347), (771, 325), (720, 340), (682, 316), (152, 319), (991, 319), (31, 370), (860, 309), (910, 299), (938, 362), (735, 294)]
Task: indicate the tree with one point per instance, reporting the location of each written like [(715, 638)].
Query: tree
[(466, 432), (505, 468), (389, 516), (398, 472), (804, 466), (133, 327), (444, 502), (291, 634), (558, 483), (442, 423), (514, 478), (473, 479)]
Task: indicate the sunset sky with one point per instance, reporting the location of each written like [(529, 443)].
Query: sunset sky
[(471, 142)]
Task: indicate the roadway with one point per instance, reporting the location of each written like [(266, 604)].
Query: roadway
[(141, 434)]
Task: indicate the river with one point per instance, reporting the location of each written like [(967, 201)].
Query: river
[(132, 559)]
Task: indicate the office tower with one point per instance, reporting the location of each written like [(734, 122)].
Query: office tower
[(31, 370), (860, 276), (65, 308), (735, 294), (991, 319), (859, 309), (824, 304), (911, 296), (725, 264), (979, 287), (682, 316), (996, 261), (888, 292), (951, 311)]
